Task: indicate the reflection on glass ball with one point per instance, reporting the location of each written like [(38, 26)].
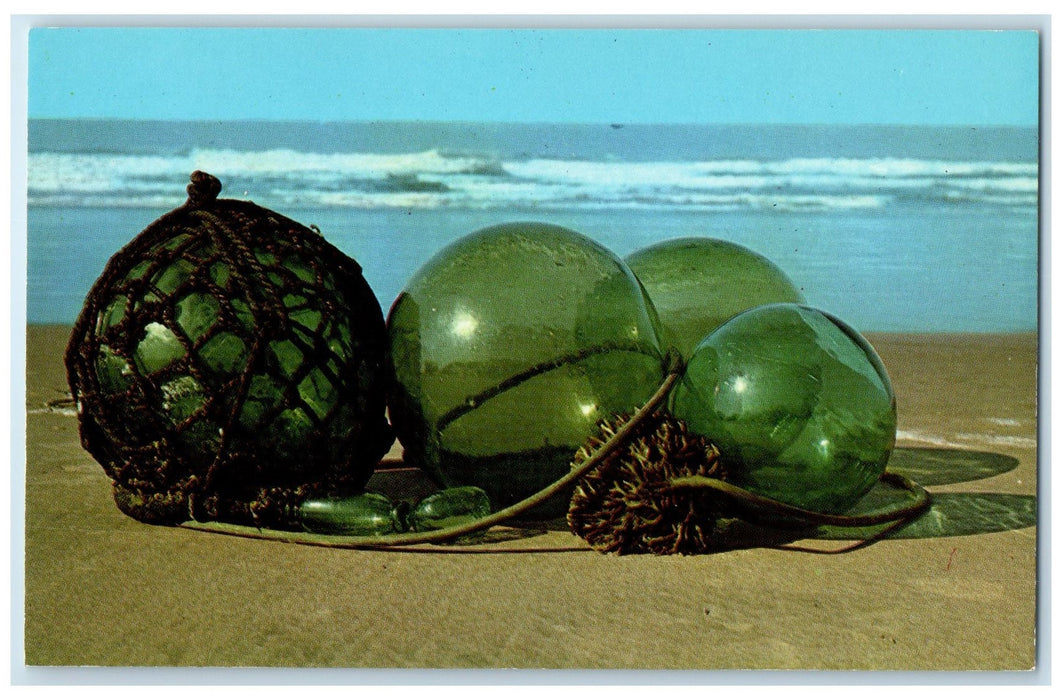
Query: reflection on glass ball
[(509, 346), (696, 284), (798, 403)]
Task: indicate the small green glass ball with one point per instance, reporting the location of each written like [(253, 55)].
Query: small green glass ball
[(508, 347), (798, 403), (226, 358), (697, 284)]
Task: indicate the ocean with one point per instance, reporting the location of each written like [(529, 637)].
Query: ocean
[(893, 229)]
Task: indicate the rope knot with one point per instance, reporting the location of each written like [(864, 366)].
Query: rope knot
[(203, 189)]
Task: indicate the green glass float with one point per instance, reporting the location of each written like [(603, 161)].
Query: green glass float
[(798, 403), (697, 284), (373, 514), (360, 515), (449, 507), (229, 363), (509, 346)]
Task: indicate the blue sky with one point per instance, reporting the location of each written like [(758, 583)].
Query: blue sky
[(971, 77)]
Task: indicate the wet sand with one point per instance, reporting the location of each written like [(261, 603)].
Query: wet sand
[(104, 590)]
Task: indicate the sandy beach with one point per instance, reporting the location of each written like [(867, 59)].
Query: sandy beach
[(104, 590)]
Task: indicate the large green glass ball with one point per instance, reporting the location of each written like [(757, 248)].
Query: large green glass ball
[(227, 363), (509, 346), (697, 284), (799, 404)]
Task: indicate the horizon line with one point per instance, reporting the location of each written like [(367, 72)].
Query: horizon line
[(613, 124)]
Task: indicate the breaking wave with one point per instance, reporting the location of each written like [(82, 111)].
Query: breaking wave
[(434, 178)]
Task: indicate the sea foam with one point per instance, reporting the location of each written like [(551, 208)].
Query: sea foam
[(434, 178)]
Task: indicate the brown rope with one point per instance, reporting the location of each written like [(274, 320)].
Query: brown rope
[(692, 537), (498, 517), (920, 502)]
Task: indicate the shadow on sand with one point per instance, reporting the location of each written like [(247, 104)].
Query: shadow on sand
[(950, 514)]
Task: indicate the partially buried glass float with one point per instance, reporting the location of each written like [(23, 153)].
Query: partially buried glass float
[(509, 346), (229, 364), (698, 283)]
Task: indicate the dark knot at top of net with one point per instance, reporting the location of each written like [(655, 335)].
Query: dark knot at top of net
[(204, 189)]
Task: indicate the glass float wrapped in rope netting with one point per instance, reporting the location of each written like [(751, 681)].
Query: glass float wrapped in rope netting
[(228, 363)]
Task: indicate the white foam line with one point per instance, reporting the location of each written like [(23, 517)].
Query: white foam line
[(49, 409), (916, 436), (966, 440), (1005, 440)]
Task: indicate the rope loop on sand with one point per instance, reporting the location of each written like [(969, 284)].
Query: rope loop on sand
[(741, 499)]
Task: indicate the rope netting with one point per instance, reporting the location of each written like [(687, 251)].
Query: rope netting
[(228, 363)]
